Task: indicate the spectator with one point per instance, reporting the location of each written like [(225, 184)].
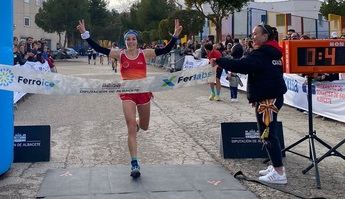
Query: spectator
[(15, 41), (17, 59), (227, 52), (234, 81), (289, 33), (249, 48), (228, 39), (89, 53), (304, 37), (295, 36), (212, 52), (334, 35), (237, 49), (21, 51), (197, 52)]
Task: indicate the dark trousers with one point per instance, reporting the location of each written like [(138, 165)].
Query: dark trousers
[(272, 144), (233, 92)]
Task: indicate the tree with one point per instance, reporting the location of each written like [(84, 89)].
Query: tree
[(61, 16), (99, 19), (114, 27), (219, 10), (192, 21), (332, 7), (146, 14), (163, 28), (151, 12)]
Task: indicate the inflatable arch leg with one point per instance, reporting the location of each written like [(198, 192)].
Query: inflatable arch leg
[(6, 97)]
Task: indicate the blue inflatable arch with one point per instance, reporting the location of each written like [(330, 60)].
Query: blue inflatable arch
[(6, 97)]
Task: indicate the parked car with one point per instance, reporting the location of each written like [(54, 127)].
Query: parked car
[(71, 53), (66, 53)]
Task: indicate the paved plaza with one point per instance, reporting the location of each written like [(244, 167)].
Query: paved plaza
[(89, 134)]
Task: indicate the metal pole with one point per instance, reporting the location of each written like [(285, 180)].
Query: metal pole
[(312, 133)]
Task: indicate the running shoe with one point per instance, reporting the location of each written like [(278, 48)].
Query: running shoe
[(211, 97), (135, 169), (217, 98), (273, 177), (266, 171)]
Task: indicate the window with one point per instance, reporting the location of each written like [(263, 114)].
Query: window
[(281, 19), (26, 21), (264, 19)]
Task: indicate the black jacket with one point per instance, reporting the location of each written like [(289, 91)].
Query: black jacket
[(264, 69), (237, 51)]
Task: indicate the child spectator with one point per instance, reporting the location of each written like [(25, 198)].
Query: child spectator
[(234, 81)]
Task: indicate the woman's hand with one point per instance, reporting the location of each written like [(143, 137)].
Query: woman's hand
[(81, 26), (178, 28)]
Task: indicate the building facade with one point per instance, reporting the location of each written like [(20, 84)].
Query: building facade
[(303, 8), (24, 23), (273, 12)]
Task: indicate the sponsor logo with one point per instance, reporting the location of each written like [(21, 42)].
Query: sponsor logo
[(184, 79), (36, 82), (305, 88), (111, 85), (252, 134), (168, 82), (291, 84), (277, 62), (20, 137), (199, 76), (6, 77), (125, 64)]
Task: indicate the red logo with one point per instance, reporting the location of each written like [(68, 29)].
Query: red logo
[(125, 64)]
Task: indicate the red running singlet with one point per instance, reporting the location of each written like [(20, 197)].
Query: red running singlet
[(131, 69)]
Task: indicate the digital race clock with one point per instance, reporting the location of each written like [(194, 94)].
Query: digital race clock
[(314, 56)]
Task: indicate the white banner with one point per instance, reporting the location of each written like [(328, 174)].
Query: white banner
[(328, 97), (191, 62), (38, 66), (22, 79)]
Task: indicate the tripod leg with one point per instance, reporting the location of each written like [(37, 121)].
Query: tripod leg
[(314, 160), (332, 148), (296, 143), (329, 153)]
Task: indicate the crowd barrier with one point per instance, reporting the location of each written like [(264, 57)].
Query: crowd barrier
[(172, 61)]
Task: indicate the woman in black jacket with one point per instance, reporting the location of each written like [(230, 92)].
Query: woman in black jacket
[(265, 90)]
